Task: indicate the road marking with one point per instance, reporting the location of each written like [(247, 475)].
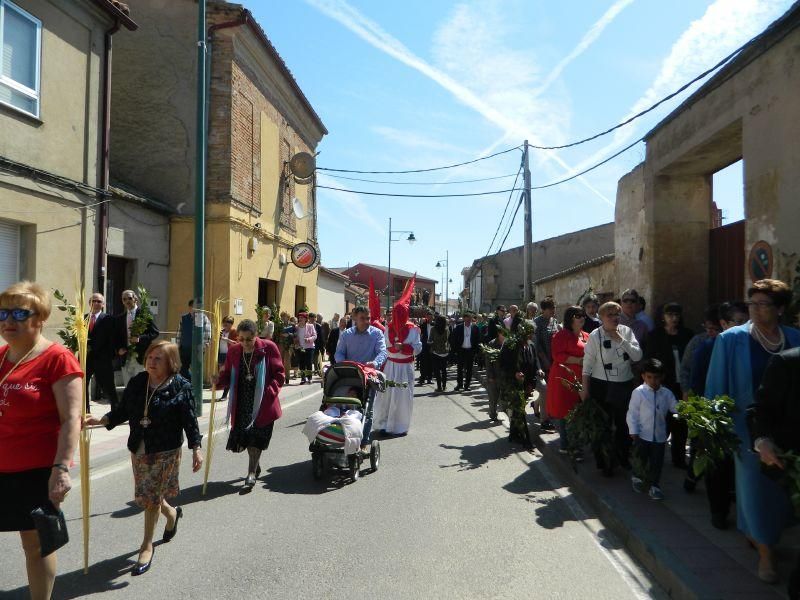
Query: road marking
[(122, 464)]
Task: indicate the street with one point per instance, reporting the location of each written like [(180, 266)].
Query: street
[(452, 512)]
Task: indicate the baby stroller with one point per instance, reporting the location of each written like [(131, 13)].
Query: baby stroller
[(353, 386)]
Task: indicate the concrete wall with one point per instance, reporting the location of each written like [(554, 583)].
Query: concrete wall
[(567, 289), (153, 99), (750, 111), (330, 295), (149, 254), (502, 273)]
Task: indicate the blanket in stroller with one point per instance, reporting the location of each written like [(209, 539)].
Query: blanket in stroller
[(346, 430)]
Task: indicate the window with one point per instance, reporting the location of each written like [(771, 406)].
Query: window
[(299, 299), (20, 51)]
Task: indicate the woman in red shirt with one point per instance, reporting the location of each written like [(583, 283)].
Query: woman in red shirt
[(40, 416), (567, 348)]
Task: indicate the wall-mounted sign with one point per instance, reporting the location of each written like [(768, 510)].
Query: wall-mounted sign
[(759, 263), (305, 256), (238, 306)]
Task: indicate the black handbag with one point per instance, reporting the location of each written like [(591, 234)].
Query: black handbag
[(51, 526)]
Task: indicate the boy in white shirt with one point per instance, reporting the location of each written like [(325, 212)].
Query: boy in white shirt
[(647, 423)]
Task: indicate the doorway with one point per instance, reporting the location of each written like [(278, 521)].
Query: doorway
[(119, 273)]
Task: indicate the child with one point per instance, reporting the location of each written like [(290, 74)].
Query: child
[(647, 423)]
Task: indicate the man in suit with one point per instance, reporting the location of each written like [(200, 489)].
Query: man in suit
[(319, 343), (123, 340), (101, 351), (425, 361), (464, 341)]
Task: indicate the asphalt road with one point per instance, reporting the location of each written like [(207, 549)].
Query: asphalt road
[(453, 512)]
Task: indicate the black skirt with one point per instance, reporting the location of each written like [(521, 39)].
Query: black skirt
[(241, 436), (21, 493)]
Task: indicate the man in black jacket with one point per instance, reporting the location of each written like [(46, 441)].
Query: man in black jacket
[(123, 340), (99, 358), (495, 322), (319, 343), (425, 360), (464, 341), (777, 420)]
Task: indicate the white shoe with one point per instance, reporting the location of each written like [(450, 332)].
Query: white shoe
[(656, 493)]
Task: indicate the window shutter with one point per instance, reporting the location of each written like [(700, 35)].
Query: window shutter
[(9, 254)]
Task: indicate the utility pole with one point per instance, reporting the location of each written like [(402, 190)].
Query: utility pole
[(199, 212), (389, 272), (447, 282), (527, 255)]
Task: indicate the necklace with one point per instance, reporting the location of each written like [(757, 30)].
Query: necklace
[(247, 363), (767, 344), (148, 396), (11, 370)]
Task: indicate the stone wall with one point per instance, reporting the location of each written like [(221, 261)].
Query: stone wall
[(566, 289)]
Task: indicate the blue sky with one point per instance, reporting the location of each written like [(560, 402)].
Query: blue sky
[(418, 84)]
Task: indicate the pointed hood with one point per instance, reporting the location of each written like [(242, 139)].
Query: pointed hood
[(374, 306), (402, 310)]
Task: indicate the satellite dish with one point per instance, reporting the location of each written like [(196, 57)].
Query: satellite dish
[(297, 208), (302, 165)]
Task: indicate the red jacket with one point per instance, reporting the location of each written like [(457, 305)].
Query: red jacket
[(265, 351)]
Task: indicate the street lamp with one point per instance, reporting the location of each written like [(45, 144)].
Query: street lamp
[(410, 239), (445, 263)]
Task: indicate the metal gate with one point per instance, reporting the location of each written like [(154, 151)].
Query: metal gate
[(726, 263)]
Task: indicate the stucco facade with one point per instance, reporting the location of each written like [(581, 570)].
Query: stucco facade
[(331, 293), (52, 162), (570, 285)]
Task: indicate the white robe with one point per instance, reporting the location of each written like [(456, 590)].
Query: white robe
[(393, 407)]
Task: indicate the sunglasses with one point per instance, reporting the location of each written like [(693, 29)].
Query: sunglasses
[(17, 314), (628, 300)]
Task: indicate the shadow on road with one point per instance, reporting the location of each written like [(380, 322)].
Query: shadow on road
[(479, 455), (477, 426), (129, 511), (215, 489), (297, 479), (102, 578)]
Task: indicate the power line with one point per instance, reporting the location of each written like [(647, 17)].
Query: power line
[(647, 110), (510, 225), (469, 162), (505, 210), (424, 182), (325, 187)]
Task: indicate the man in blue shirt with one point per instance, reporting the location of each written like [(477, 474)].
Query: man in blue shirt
[(363, 343)]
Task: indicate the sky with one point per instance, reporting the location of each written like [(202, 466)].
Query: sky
[(416, 84)]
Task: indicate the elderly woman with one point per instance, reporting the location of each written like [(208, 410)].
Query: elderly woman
[(567, 347), (737, 367), (608, 378), (268, 331), (40, 408), (159, 407), (254, 371), (306, 337)]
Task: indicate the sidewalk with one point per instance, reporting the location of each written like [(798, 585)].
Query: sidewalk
[(108, 447), (674, 538)]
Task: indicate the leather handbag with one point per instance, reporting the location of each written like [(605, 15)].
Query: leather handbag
[(51, 526)]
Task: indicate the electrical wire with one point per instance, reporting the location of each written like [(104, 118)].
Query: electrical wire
[(505, 210), (647, 110), (469, 162), (510, 225), (326, 187), (424, 182)]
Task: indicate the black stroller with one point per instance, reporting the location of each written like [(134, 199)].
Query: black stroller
[(327, 450)]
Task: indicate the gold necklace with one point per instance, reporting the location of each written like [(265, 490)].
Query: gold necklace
[(3, 401), (148, 396)]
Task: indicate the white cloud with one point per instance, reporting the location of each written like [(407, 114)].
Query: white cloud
[(412, 139), (351, 204), (726, 25), (506, 101)]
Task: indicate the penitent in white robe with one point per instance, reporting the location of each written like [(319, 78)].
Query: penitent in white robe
[(393, 407)]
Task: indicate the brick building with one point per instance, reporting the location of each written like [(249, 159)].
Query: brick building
[(361, 272), (258, 119)]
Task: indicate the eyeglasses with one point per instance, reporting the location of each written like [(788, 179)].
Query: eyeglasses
[(629, 300), (761, 304), (17, 314)]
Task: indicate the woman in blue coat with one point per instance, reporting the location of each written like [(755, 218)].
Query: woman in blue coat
[(737, 366)]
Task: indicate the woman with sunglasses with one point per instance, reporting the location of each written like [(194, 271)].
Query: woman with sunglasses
[(254, 371), (608, 378), (40, 419), (738, 363)]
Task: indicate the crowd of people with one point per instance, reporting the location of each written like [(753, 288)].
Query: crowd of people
[(635, 368)]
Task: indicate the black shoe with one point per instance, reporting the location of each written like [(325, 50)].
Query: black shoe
[(457, 388), (548, 427), (141, 569), (249, 481), (719, 521), (689, 484), (170, 533)]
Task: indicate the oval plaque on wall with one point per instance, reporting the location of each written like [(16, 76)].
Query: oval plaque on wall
[(305, 256), (759, 263)]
